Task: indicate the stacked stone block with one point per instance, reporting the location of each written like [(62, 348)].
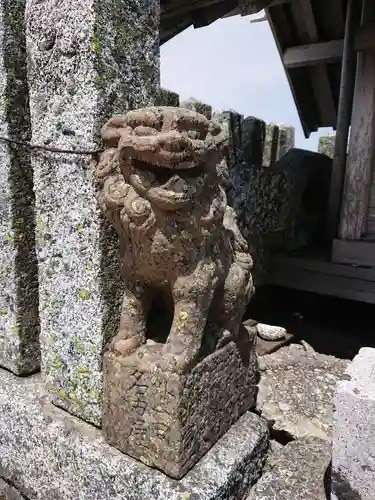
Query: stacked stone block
[(19, 319), (88, 60)]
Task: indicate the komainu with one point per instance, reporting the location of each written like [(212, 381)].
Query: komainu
[(160, 185)]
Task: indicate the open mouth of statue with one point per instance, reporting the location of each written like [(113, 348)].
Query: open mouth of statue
[(170, 188)]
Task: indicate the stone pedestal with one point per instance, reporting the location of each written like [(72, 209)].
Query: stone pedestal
[(170, 420), (87, 60), (353, 453), (19, 322), (46, 454)]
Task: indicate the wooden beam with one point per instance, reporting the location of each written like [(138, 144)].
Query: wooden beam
[(325, 278), (365, 37), (307, 30), (244, 12), (358, 253), (277, 17), (312, 54), (343, 120), (361, 154), (204, 17)]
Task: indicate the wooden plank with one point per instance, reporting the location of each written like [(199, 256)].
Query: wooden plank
[(361, 155), (344, 113), (206, 16), (242, 11), (324, 284), (365, 37), (360, 253), (309, 55), (319, 266), (276, 16)]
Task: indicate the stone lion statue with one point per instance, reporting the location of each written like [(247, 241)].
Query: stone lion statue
[(160, 186)]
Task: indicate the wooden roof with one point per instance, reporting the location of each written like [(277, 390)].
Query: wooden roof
[(309, 35), (177, 15)]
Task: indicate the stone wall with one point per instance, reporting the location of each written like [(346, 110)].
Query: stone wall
[(272, 185), (250, 139)]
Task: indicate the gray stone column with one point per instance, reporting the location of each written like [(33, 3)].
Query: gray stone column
[(167, 97), (231, 123), (286, 140), (270, 144), (252, 141), (198, 106), (87, 61), (19, 324), (327, 145)]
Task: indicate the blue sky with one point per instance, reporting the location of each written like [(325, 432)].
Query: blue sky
[(233, 64)]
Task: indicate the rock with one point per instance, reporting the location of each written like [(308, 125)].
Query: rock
[(87, 61), (296, 391), (300, 471), (19, 316), (353, 454), (269, 332), (50, 455)]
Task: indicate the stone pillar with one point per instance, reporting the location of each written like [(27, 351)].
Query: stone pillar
[(327, 145), (231, 122), (252, 141), (88, 60), (286, 140), (198, 106), (270, 144), (353, 444), (19, 324), (167, 97)]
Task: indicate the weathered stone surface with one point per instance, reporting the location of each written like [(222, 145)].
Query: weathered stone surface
[(353, 454), (50, 455), (286, 140), (167, 97), (7, 492), (277, 207), (299, 472), (270, 145), (87, 60), (230, 121), (252, 140), (168, 420), (327, 145), (271, 332), (198, 106), (182, 257), (296, 391), (19, 319)]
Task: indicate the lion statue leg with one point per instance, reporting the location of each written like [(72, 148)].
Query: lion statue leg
[(133, 322), (238, 289), (192, 296)]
